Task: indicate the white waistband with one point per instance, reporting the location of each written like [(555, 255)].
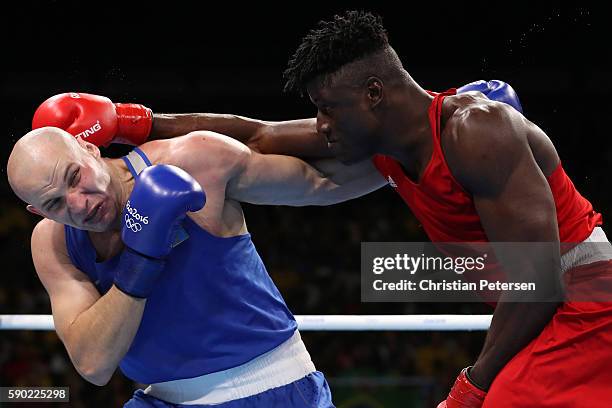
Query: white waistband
[(593, 249), (280, 366)]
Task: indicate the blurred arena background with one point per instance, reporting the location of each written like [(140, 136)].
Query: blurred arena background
[(229, 58)]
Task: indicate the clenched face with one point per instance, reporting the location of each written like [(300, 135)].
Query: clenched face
[(64, 179), (345, 116)]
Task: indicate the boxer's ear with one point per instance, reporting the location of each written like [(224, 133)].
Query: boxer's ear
[(90, 147), (375, 93), (34, 210)]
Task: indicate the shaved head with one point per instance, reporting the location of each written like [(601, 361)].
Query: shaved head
[(35, 156), (63, 178)]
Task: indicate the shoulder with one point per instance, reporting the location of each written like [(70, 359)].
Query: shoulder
[(49, 248), (201, 152), (478, 122), (48, 235), (483, 141)]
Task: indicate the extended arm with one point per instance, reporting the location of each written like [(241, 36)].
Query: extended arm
[(293, 137), (272, 179), (101, 122)]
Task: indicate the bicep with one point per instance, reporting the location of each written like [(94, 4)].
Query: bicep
[(523, 213), (521, 208), (71, 292)]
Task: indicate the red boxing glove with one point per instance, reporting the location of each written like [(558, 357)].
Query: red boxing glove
[(95, 118), (464, 394)]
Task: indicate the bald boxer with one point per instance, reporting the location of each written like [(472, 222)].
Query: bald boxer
[(175, 295), (471, 169)]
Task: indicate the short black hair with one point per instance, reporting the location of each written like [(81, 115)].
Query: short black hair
[(332, 44)]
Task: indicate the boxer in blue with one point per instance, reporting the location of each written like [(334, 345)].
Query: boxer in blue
[(142, 277)]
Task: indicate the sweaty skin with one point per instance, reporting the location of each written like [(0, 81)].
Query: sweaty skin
[(372, 106), (490, 149), (43, 169), (66, 181), (497, 155), (502, 159)]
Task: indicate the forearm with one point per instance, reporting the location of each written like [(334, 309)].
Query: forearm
[(168, 125), (516, 323), (100, 336), (513, 326), (293, 138)]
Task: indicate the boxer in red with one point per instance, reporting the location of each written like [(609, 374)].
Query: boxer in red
[(471, 169)]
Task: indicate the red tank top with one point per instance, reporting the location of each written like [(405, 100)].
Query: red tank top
[(446, 211)]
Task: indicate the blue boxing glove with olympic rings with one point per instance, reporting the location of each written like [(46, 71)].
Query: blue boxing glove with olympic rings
[(160, 200)]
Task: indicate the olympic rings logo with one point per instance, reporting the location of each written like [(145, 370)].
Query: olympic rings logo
[(131, 224), (134, 213)]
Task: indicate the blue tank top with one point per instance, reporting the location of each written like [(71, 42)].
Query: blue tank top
[(215, 306)]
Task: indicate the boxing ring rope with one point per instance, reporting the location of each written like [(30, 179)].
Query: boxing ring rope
[(317, 322)]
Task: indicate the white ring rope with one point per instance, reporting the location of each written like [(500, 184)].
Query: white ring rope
[(316, 322)]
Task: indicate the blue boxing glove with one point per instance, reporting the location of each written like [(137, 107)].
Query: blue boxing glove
[(495, 90), (161, 198)]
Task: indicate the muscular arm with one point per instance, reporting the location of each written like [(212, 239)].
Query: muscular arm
[(297, 138), (272, 179), (286, 180), (96, 330), (492, 159), (294, 137)]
